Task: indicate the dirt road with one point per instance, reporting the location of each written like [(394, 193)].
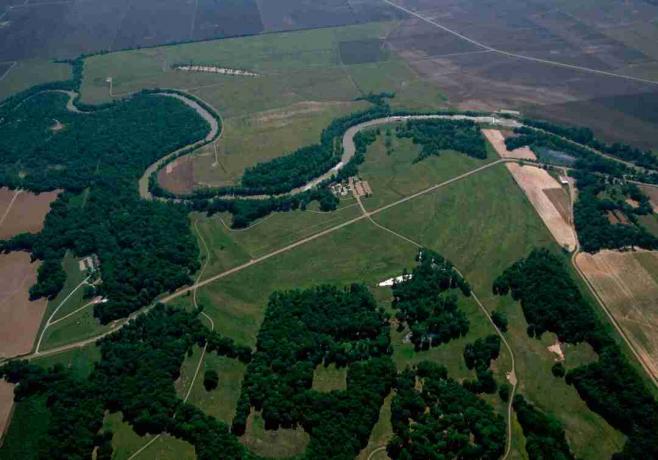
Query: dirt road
[(201, 283)]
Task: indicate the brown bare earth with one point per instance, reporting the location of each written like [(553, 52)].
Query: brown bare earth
[(612, 217), (6, 405), (560, 199), (497, 139), (630, 292), (535, 182), (19, 317), (22, 211), (178, 176), (652, 193)]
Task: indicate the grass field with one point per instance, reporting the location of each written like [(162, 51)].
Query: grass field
[(329, 378), (25, 74), (392, 173), (29, 422), (249, 139), (292, 67)]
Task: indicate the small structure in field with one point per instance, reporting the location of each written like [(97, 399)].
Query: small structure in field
[(392, 281), (340, 189), (89, 264), (514, 113), (564, 180), (359, 188), (215, 69)]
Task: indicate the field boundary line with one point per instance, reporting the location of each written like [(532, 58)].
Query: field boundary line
[(515, 55), (13, 64)]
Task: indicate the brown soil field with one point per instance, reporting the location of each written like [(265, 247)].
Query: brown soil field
[(652, 193), (19, 317), (23, 212), (6, 406), (560, 199), (616, 217), (632, 203), (178, 176), (630, 292), (535, 182), (497, 140)]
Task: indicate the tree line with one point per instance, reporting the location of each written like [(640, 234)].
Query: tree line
[(544, 434), (610, 386), (585, 136), (478, 355)]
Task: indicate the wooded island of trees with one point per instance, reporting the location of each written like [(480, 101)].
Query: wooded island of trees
[(432, 317)]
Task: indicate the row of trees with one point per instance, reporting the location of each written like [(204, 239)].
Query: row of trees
[(431, 317), (610, 386), (544, 434), (585, 136), (442, 419), (437, 135), (135, 375)]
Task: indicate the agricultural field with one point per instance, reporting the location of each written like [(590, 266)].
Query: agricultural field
[(628, 285), (37, 29)]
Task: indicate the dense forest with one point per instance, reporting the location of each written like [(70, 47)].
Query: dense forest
[(544, 435), (144, 248), (304, 329), (436, 135), (598, 198), (432, 316), (610, 386), (85, 149), (434, 417), (135, 375)]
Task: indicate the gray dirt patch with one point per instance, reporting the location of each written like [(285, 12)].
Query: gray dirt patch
[(362, 51)]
